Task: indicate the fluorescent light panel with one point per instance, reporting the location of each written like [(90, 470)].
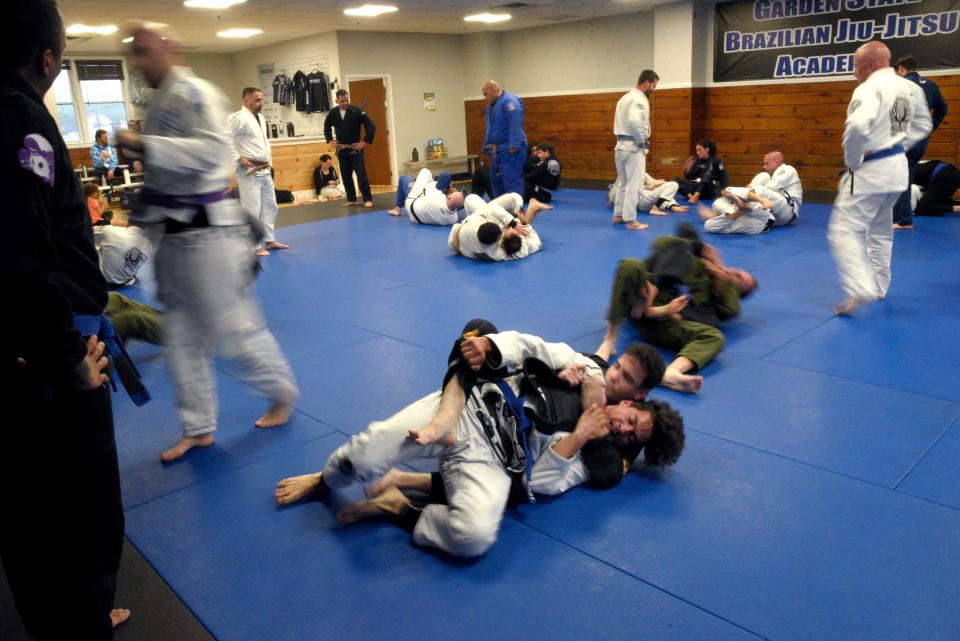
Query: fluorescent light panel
[(370, 10), (488, 17), (239, 33), (102, 30), (211, 4), (127, 41)]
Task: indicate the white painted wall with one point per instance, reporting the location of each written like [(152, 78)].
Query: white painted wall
[(589, 55), (482, 59), (415, 63), (216, 68)]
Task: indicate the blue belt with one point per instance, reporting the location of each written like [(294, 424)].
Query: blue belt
[(515, 404), (936, 170), (101, 327), (883, 153)]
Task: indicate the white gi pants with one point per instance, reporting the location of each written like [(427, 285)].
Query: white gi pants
[(783, 213), (631, 167), (203, 278), (665, 192), (258, 197), (745, 224), (860, 234), (476, 483)]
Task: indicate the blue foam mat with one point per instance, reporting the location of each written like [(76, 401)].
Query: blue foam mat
[(817, 498)]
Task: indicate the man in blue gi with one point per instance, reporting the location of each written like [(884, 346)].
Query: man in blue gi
[(504, 143)]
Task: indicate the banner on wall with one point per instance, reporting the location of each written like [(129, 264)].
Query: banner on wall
[(789, 39)]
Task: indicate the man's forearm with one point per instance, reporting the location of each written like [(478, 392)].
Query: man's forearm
[(569, 445)]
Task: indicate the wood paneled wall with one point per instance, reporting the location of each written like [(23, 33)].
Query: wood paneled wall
[(802, 120)]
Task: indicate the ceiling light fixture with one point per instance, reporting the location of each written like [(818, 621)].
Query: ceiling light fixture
[(127, 41), (239, 33), (370, 10), (488, 17), (85, 29), (211, 4)]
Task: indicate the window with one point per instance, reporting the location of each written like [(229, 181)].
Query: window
[(90, 96)]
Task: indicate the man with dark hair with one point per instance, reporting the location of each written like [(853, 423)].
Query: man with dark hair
[(61, 563), (252, 157), (631, 126), (676, 299), (346, 121), (560, 422), (104, 156), (501, 219), (907, 68)]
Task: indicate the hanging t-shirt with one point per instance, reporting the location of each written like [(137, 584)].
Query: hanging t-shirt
[(301, 91), (281, 90), (319, 94)]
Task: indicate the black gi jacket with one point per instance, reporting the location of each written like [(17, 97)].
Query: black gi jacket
[(708, 171), (348, 127), (51, 270)]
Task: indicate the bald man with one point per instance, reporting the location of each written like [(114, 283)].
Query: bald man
[(887, 116), (772, 199), (505, 142), (205, 262)]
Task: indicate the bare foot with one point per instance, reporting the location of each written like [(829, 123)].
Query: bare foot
[(679, 209), (848, 306), (368, 204), (394, 212), (276, 245), (384, 483), (434, 432), (618, 220), (291, 490), (682, 382), (654, 211), (705, 212), (899, 226), (401, 480), (186, 444), (390, 502), (635, 226), (349, 203), (278, 414), (118, 616), (766, 203), (262, 252), (534, 207)]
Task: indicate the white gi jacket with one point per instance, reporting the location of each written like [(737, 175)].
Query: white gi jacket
[(886, 110), (123, 251), (784, 178), (249, 139), (429, 203), (551, 473), (469, 245), (632, 120), (188, 149)]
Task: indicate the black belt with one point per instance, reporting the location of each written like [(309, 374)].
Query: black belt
[(790, 202), (413, 213)]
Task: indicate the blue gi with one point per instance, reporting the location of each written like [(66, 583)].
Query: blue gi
[(505, 133)]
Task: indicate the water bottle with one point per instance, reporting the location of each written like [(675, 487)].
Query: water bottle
[(415, 155)]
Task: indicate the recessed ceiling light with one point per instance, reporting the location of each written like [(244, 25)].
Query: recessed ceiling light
[(370, 10), (488, 17), (103, 30), (127, 41), (211, 4), (239, 33)]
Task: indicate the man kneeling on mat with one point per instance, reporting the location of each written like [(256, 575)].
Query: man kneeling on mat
[(676, 298), (543, 430)]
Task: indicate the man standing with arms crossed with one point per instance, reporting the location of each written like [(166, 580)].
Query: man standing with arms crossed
[(251, 152), (631, 126), (505, 142), (887, 116)]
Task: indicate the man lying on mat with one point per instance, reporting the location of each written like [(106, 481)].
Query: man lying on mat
[(565, 419)]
